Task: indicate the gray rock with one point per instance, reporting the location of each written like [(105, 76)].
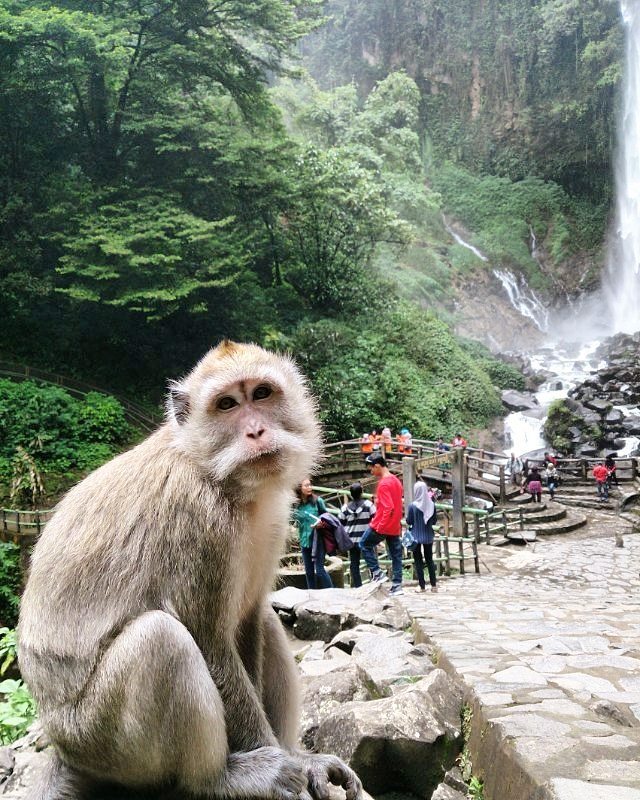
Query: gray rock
[(387, 660), (398, 743), (598, 404), (518, 401), (444, 792), (7, 762)]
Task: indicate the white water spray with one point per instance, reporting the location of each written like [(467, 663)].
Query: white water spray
[(622, 286)]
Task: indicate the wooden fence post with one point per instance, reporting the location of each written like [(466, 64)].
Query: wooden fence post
[(503, 487)]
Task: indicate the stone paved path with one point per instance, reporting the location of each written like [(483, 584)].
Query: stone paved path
[(548, 645)]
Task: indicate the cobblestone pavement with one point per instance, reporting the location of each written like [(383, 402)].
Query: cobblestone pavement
[(547, 641)]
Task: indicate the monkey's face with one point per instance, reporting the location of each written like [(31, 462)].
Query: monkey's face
[(246, 413)]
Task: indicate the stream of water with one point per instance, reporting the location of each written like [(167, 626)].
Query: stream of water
[(569, 352), (622, 286)]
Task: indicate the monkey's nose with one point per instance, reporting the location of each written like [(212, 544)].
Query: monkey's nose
[(255, 433)]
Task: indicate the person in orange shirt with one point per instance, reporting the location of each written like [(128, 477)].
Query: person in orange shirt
[(387, 439), (366, 443), (400, 441)]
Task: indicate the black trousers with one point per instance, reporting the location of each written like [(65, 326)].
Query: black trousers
[(428, 557)]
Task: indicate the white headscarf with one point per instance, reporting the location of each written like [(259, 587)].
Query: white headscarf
[(422, 500)]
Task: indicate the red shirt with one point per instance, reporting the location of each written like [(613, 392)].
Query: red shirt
[(600, 473), (388, 517)]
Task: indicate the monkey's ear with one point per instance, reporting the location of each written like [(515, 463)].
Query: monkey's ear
[(177, 402)]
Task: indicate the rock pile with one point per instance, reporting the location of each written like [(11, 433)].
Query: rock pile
[(606, 406), (371, 695)]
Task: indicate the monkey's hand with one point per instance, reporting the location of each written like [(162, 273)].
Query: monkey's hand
[(265, 772), (324, 769)]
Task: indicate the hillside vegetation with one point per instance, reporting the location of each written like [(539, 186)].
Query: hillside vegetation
[(157, 192)]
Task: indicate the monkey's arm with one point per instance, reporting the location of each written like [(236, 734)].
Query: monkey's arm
[(247, 725)]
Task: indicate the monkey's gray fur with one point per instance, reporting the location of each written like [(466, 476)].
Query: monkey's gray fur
[(159, 669)]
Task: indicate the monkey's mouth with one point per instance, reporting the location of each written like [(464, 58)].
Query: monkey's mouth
[(266, 458)]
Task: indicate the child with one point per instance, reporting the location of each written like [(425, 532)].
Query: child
[(356, 516)]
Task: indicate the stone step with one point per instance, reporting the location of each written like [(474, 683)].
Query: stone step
[(569, 523), (588, 501)]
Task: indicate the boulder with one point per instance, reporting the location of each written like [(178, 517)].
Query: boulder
[(399, 743), (518, 401), (598, 404), (614, 416), (322, 613)]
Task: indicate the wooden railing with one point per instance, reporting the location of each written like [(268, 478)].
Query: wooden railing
[(135, 414), (481, 465), (15, 523)]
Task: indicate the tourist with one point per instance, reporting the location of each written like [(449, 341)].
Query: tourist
[(515, 469), (601, 476), (386, 525), (420, 518), (387, 440), (356, 515), (366, 444), (459, 441), (443, 447), (406, 441), (376, 438), (610, 464), (549, 458), (551, 477), (306, 513), (534, 485)]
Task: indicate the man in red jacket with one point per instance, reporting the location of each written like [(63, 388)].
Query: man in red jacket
[(601, 474), (386, 525)]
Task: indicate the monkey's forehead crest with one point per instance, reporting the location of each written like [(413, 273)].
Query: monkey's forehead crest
[(230, 361)]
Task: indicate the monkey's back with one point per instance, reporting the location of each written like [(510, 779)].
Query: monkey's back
[(113, 549)]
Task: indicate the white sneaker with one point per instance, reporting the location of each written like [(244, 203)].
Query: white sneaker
[(379, 577), (396, 590)]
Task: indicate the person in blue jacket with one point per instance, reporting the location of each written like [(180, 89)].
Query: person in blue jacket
[(420, 517)]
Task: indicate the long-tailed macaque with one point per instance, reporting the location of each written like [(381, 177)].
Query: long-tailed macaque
[(145, 634)]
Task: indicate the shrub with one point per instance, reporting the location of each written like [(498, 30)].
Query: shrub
[(10, 582), (17, 711), (43, 429)]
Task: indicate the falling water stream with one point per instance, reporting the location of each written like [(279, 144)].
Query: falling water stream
[(616, 308), (622, 286)]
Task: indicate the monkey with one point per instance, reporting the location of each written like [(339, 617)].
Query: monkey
[(145, 633)]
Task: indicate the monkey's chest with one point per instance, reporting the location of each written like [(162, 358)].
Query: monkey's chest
[(258, 558)]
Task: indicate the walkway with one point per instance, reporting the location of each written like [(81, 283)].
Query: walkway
[(547, 640)]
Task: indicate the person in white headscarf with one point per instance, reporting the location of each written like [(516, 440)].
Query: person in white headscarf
[(421, 515)]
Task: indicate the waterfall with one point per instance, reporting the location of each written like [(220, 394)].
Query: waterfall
[(622, 279), (461, 241), (523, 298)]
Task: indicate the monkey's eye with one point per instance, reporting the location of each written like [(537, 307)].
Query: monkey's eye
[(226, 403), (262, 392)]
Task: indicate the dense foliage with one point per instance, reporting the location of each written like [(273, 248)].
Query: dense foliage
[(10, 580), (509, 87), (563, 427), (60, 433), (168, 176), (404, 370)]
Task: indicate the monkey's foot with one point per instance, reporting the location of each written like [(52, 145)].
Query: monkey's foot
[(324, 769), (265, 772)]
